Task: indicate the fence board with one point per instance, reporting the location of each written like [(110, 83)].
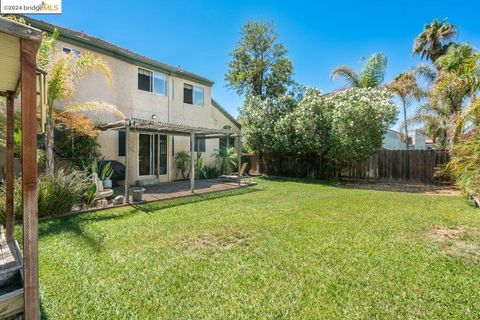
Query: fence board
[(416, 166)]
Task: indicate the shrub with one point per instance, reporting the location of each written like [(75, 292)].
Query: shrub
[(211, 172), (57, 194)]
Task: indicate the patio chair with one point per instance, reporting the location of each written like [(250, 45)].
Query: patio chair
[(234, 175)]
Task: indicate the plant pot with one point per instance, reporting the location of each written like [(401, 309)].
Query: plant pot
[(137, 194), (107, 184)]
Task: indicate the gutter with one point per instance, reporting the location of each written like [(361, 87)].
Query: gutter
[(92, 43)]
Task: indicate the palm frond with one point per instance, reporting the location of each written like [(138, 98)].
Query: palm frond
[(373, 71), (97, 108), (348, 74), (426, 72)]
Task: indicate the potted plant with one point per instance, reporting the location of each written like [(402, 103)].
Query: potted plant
[(105, 175)]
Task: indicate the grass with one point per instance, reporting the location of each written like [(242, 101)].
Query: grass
[(280, 250)]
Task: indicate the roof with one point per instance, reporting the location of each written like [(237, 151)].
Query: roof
[(96, 44), (19, 30), (226, 114), (171, 128), (10, 68)]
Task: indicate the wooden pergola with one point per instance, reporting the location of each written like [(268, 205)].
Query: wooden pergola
[(152, 126), (18, 48)]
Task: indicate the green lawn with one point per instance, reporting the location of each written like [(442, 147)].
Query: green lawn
[(279, 250)]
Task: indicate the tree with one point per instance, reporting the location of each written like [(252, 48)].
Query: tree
[(433, 42), (371, 75), (259, 64), (452, 82), (464, 165), (405, 86), (63, 73)]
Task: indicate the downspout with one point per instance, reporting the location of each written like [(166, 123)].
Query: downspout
[(169, 95)]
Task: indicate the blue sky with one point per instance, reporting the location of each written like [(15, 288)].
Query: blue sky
[(199, 35)]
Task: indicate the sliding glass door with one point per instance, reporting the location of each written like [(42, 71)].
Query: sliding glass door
[(152, 154)]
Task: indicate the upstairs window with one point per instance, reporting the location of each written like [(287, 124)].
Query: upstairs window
[(160, 84), (152, 82), (193, 95), (145, 80), (198, 96), (188, 94)]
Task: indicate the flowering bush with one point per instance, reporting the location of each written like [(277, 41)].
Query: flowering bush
[(339, 129), (360, 117)]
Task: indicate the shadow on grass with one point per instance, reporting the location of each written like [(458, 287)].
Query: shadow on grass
[(76, 224), (300, 180), (165, 204)]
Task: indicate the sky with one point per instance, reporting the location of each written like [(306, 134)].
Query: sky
[(199, 36)]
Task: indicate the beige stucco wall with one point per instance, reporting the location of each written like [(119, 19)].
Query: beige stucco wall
[(124, 94)]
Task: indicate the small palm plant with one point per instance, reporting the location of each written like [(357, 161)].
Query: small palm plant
[(225, 159), (182, 163)]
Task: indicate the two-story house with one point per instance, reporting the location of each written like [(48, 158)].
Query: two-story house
[(150, 90)]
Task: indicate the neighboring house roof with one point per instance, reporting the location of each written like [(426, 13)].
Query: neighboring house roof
[(226, 114), (95, 44)]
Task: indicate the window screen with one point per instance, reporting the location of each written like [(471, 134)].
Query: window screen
[(163, 154), (144, 80), (188, 94)]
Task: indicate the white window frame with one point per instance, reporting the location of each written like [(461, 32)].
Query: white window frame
[(195, 87), (152, 136), (153, 81)]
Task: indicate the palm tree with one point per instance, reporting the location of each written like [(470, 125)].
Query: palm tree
[(406, 88), (371, 75), (464, 165), (63, 73), (433, 41), (452, 81)]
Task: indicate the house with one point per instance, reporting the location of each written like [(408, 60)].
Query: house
[(394, 140), (151, 92)]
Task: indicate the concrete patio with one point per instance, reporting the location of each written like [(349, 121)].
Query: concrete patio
[(178, 189)]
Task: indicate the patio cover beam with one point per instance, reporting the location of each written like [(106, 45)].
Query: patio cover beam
[(127, 144), (168, 128)]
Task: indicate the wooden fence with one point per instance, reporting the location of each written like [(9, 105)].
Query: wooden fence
[(417, 166)]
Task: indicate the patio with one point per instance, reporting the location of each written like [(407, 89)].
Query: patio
[(178, 189)]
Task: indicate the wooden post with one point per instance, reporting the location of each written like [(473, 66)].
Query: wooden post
[(239, 154), (9, 177), (29, 179), (192, 161), (127, 182)]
